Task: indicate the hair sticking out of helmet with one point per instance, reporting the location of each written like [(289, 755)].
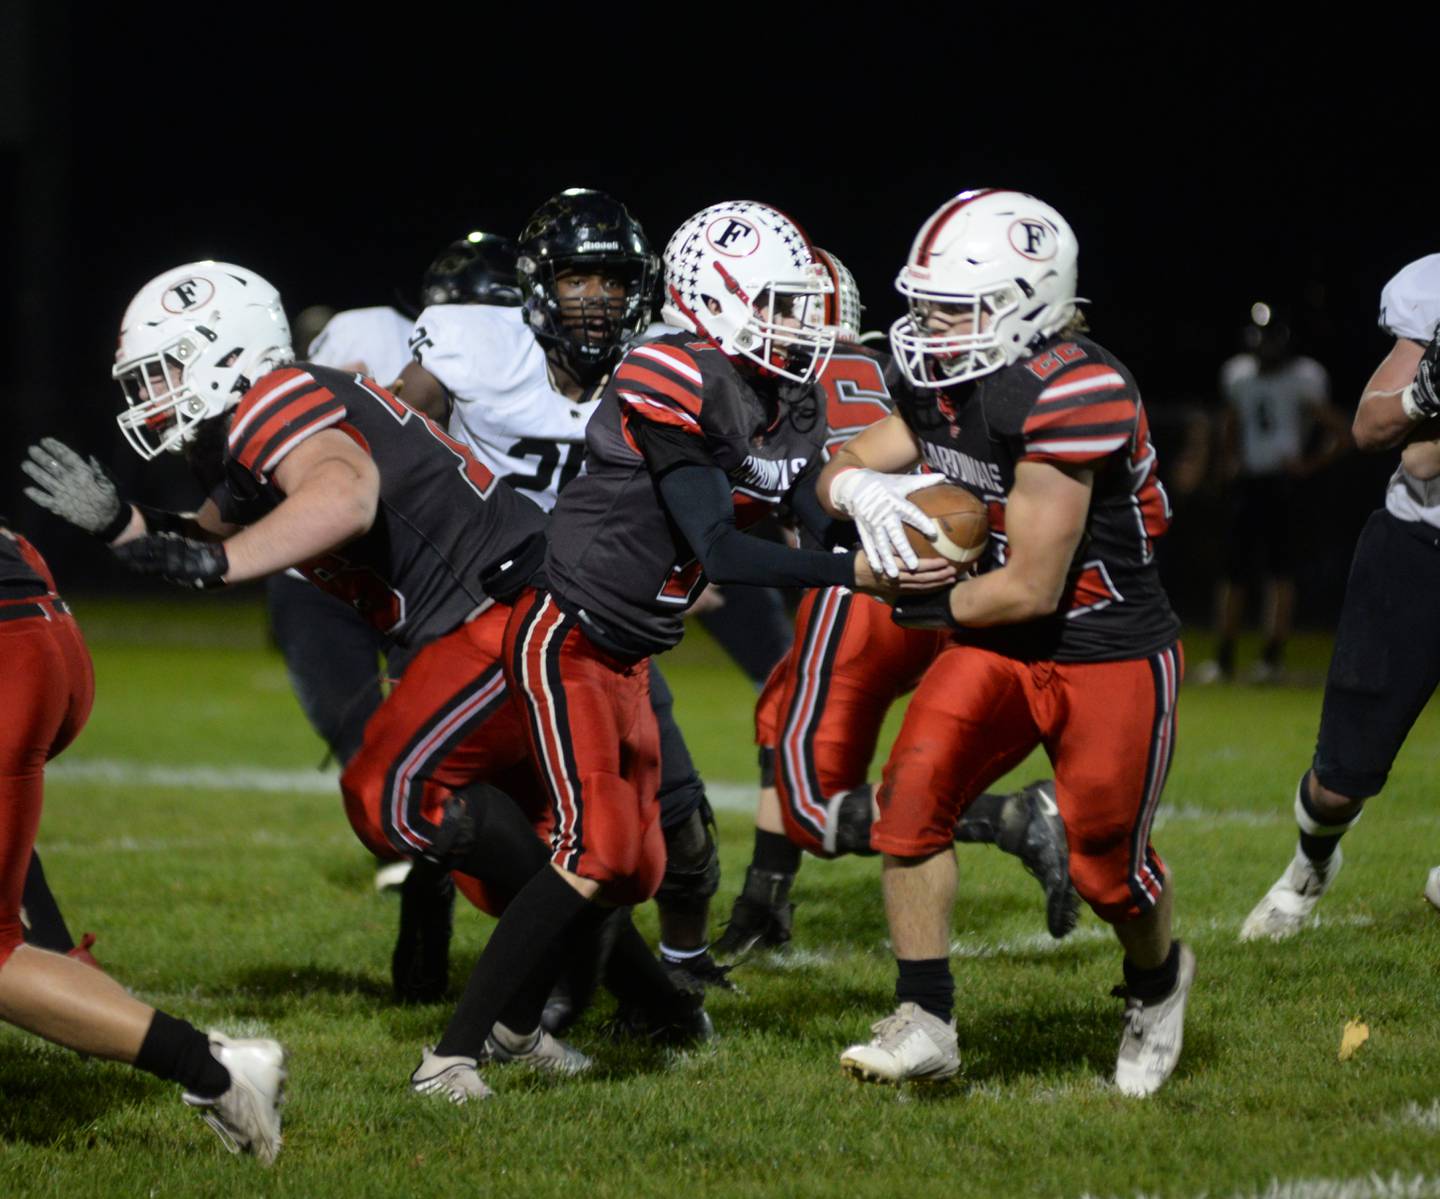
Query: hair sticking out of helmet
[(843, 309), (479, 268), (587, 276), (745, 275), (989, 275), (192, 342)]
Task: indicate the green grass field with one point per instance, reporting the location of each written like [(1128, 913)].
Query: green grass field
[(248, 906)]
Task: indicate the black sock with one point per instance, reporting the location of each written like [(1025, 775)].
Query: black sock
[(775, 852), (633, 974), (986, 819), (1149, 985), (535, 920), (47, 926), (1225, 656), (522, 1013), (1319, 833), (180, 1052), (1273, 653), (928, 983)]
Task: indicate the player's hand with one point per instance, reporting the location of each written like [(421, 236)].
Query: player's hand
[(1424, 394), (75, 490), (198, 564), (928, 574), (876, 503), (926, 610)]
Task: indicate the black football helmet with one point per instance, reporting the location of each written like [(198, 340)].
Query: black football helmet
[(477, 269), (589, 232)]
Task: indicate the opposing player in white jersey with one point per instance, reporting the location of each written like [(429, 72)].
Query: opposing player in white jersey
[(1386, 661), (519, 386), (1274, 400), (479, 268)]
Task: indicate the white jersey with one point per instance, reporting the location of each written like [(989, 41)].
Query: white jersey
[(504, 406), (1273, 409), (1410, 308), (370, 340)]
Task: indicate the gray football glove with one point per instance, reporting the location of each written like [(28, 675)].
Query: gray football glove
[(75, 490)]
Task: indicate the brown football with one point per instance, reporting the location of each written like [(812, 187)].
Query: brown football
[(964, 526)]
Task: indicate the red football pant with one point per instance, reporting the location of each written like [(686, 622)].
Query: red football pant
[(47, 686), (450, 721), (595, 740), (1108, 728), (825, 701)]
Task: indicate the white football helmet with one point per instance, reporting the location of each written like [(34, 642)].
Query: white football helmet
[(745, 275), (1004, 258), (192, 343), (842, 308)]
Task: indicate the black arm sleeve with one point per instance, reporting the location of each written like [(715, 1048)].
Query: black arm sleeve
[(805, 505), (699, 502)]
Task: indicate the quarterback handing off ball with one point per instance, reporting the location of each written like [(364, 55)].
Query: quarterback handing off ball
[(964, 526)]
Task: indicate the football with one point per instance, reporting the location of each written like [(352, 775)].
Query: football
[(964, 526)]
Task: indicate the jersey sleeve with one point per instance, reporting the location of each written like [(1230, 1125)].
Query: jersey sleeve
[(460, 348), (1314, 382), (285, 408), (1080, 417), (1234, 372), (661, 384), (1410, 302)]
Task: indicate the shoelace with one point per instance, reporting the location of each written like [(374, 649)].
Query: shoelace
[(1134, 1014)]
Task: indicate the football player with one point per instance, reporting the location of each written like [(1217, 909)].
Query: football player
[(46, 690), (331, 652), (1386, 661), (818, 719), (331, 473), (1065, 639), (691, 438), (1274, 399), (519, 386)]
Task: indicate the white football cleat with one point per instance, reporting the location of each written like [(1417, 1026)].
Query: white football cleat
[(910, 1043), (1288, 904), (538, 1051), (1432, 888), (246, 1117), (1154, 1032), (455, 1078)]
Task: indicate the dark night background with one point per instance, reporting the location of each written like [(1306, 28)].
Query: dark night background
[(1201, 170)]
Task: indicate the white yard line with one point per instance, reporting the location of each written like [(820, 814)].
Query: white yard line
[(1369, 1186), (726, 796)]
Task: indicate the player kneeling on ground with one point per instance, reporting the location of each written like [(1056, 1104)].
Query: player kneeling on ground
[(46, 690), (1065, 639)]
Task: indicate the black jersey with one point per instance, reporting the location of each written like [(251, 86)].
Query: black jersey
[(23, 571), (615, 556), (443, 521), (1070, 404)]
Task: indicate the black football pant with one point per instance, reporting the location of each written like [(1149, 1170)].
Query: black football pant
[(333, 658)]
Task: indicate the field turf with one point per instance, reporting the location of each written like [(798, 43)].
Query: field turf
[(240, 900)]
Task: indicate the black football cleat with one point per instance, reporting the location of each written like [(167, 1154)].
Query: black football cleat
[(761, 918), (684, 1021), (697, 973), (1044, 850)]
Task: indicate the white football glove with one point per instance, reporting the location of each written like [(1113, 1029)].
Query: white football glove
[(876, 503)]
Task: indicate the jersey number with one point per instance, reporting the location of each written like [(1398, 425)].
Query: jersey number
[(855, 396), (471, 467), (548, 456), (380, 605), (682, 584)]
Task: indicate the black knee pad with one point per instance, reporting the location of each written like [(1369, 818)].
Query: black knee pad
[(692, 863)]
